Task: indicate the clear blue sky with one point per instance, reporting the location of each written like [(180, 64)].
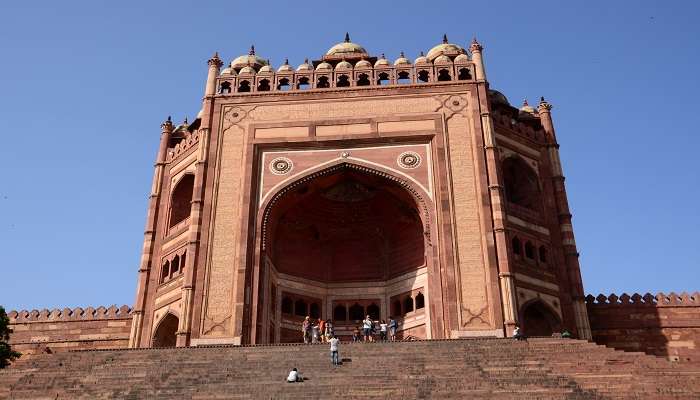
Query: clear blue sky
[(85, 85)]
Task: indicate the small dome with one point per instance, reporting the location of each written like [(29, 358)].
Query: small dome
[(526, 108), (247, 70), (305, 66), (422, 59), (228, 71), (497, 97), (249, 59), (444, 48), (285, 67), (346, 47), (402, 60), (343, 65), (363, 64), (382, 62), (266, 69), (443, 59), (324, 66), (462, 58)]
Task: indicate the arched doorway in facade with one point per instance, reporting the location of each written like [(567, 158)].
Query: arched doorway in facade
[(342, 244), (537, 319), (165, 333)]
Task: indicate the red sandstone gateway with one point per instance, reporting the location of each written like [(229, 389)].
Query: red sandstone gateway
[(350, 186)]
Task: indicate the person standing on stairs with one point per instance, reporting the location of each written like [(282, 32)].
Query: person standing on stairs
[(367, 328), (306, 329), (329, 332), (335, 342), (392, 328), (322, 330), (382, 330)]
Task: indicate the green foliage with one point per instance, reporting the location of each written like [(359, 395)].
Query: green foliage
[(6, 352)]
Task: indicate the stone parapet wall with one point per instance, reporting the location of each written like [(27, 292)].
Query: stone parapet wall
[(665, 325), (40, 331)]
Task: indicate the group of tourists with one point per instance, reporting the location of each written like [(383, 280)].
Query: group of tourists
[(369, 330), (318, 331), (321, 331)]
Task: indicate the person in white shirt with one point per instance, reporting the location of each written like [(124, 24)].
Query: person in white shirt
[(382, 330), (334, 350), (294, 376), (367, 328), (518, 334)]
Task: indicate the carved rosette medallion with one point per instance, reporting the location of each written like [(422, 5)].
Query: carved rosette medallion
[(281, 165), (409, 160)]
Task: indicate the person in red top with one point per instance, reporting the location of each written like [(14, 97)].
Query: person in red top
[(322, 330)]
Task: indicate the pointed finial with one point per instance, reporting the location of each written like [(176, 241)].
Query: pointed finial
[(215, 60), (383, 56), (475, 45), (421, 53), (347, 37), (167, 126), (252, 50), (286, 61), (543, 106), (525, 103), (444, 38), (402, 55), (185, 121), (268, 62)]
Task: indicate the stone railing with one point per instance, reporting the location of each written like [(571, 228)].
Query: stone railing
[(67, 314), (660, 299), (517, 127), (43, 331), (189, 141), (300, 80)]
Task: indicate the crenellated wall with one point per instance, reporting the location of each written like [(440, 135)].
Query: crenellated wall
[(665, 325), (57, 330)]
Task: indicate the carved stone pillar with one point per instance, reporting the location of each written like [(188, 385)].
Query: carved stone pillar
[(149, 237), (573, 268)]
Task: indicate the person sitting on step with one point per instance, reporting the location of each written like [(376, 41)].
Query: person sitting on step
[(356, 334), (294, 376), (518, 334)]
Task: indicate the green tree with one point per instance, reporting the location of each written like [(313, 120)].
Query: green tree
[(6, 352)]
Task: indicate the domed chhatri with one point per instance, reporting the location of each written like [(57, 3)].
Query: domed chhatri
[(324, 66), (402, 60), (305, 67), (285, 67), (346, 49), (363, 64), (422, 59), (343, 65), (446, 48), (250, 59), (382, 62), (527, 107)]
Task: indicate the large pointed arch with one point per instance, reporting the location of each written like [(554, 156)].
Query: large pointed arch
[(256, 322), (418, 194)]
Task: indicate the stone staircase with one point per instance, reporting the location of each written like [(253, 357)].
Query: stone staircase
[(541, 368)]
